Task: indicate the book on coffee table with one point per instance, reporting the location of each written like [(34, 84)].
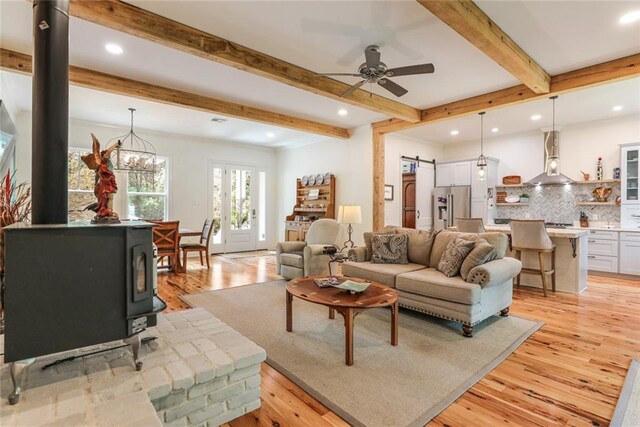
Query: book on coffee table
[(353, 287), (327, 282)]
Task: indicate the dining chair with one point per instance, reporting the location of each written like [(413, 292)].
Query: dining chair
[(166, 238), (470, 225), (202, 246), (532, 236)]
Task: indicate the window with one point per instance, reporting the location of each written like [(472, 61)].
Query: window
[(81, 183), (139, 195), (147, 194)]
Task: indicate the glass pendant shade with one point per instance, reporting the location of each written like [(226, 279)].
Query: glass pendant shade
[(482, 160), (553, 166)]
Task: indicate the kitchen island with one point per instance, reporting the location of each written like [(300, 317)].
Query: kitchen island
[(571, 259), (572, 249)]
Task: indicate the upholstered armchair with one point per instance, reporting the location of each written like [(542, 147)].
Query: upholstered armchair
[(297, 259)]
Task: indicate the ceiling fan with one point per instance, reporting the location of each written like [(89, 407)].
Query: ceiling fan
[(375, 71)]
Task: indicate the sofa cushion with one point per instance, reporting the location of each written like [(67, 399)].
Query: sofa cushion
[(382, 273), (419, 246), (432, 283), (500, 242), (389, 249), (482, 251), (453, 257), (293, 259)]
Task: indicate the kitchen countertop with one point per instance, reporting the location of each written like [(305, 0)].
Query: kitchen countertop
[(598, 228), (553, 232)]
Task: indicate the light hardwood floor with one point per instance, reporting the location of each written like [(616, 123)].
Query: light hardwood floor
[(570, 371)]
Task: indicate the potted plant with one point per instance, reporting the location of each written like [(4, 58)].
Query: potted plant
[(524, 198), (15, 206), (584, 219)]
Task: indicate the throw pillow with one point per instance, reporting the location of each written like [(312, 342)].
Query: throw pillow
[(453, 257), (419, 244), (367, 241), (482, 251), (389, 249)]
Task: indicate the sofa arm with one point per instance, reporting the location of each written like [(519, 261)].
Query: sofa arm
[(495, 272), (357, 254), (284, 247)]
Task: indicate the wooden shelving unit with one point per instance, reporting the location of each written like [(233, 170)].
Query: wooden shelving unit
[(512, 204), (596, 204), (603, 181), (312, 208)]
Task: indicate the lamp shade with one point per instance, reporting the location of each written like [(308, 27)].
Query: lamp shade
[(349, 214)]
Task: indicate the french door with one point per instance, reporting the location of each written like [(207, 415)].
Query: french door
[(238, 206)]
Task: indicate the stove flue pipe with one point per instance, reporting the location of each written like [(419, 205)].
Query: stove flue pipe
[(50, 120)]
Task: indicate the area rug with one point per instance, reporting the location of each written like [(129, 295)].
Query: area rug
[(627, 413), (405, 385), (238, 255)]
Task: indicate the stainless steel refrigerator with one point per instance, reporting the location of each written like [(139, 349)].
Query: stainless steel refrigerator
[(450, 203)]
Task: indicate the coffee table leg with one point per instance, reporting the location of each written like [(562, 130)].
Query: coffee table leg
[(332, 313), (348, 335), (394, 323), (289, 312)]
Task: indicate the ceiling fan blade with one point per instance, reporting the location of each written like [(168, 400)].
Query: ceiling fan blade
[(372, 56), (392, 87), (410, 70), (353, 88), (339, 74)]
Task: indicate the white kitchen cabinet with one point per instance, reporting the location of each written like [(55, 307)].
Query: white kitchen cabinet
[(629, 253), (462, 173), (444, 175), (603, 251), (630, 216), (630, 173)]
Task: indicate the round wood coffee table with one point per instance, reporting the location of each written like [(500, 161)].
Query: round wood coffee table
[(348, 305)]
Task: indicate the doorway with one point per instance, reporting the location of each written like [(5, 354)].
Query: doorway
[(238, 206), (418, 181)]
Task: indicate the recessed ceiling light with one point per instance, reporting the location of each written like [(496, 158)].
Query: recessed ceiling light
[(618, 108), (494, 130), (113, 48), (270, 134), (629, 18), (536, 117), (454, 132), (343, 112)]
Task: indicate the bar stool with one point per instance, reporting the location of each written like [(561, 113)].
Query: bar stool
[(470, 225), (531, 236)]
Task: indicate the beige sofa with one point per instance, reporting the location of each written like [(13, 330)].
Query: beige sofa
[(423, 288)]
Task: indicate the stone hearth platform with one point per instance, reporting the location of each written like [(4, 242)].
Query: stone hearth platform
[(198, 372)]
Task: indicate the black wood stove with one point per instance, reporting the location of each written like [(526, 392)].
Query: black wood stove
[(70, 286)]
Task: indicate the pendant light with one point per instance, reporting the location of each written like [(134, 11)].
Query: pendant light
[(133, 154), (553, 159), (482, 160)]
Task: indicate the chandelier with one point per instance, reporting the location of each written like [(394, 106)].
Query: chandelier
[(133, 154)]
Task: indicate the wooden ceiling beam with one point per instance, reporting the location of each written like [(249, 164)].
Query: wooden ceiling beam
[(14, 61), (607, 72), (140, 23), (468, 20)]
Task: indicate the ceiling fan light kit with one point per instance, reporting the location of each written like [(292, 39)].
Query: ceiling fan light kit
[(374, 71)]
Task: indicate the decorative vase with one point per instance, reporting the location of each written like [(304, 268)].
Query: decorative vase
[(584, 222)]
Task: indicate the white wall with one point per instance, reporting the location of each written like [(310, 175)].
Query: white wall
[(189, 159), (397, 146), (351, 161), (580, 147)]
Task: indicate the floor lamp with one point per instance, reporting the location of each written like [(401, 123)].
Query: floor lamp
[(349, 214)]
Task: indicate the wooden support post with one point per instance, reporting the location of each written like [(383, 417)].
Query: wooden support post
[(378, 180)]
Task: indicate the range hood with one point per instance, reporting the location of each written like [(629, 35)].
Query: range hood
[(551, 150)]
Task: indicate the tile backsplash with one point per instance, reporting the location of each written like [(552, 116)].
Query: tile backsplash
[(558, 203)]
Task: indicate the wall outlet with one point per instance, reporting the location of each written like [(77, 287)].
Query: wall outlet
[(594, 217), (527, 216)]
